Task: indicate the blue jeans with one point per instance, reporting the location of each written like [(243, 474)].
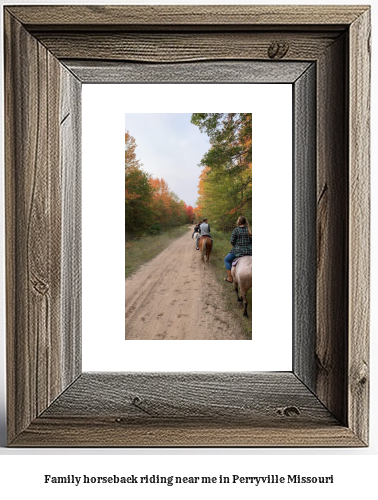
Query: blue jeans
[(228, 259)]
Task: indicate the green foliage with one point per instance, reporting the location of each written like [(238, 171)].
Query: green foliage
[(230, 135), (149, 205), (138, 212), (155, 228), (225, 189)]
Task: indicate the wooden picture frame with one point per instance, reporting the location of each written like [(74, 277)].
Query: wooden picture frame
[(49, 52)]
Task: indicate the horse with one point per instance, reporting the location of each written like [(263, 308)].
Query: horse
[(242, 276), (205, 245)]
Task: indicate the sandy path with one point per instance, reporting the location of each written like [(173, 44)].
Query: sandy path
[(173, 298)]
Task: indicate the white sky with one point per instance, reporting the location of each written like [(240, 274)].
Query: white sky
[(169, 146)]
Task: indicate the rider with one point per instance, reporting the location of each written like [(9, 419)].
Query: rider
[(241, 240), (204, 230), (196, 229)]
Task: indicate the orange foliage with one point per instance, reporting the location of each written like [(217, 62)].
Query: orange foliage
[(189, 212), (148, 196), (130, 155)]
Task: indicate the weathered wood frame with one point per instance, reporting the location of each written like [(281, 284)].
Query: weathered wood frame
[(49, 52)]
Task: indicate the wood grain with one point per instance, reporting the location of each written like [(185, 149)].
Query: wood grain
[(304, 227), (97, 432), (32, 312), (70, 161), (181, 47), (359, 227), (324, 402), (184, 16), (193, 409), (33, 228), (200, 72), (331, 349), (242, 397)]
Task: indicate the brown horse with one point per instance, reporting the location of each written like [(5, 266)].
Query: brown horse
[(242, 276), (205, 245)]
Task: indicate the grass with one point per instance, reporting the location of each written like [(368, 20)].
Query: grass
[(140, 251), (221, 247)]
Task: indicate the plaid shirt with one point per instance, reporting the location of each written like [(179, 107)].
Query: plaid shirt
[(241, 241)]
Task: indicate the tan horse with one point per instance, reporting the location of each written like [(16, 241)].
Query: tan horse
[(205, 245), (242, 276)]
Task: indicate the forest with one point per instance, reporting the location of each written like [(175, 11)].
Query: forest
[(150, 206), (225, 181), (225, 185)]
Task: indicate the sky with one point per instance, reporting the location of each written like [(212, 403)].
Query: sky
[(169, 146)]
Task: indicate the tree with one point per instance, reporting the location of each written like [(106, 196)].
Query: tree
[(130, 155), (138, 192), (161, 201), (230, 136), (168, 209), (149, 203), (189, 213), (225, 188), (138, 197)]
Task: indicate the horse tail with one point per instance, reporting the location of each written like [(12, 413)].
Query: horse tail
[(203, 251)]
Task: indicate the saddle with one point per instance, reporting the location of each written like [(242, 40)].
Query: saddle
[(235, 261)]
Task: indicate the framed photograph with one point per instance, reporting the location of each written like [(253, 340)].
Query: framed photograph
[(173, 296), (324, 53), (174, 209)]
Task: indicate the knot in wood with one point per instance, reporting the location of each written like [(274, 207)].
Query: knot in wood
[(289, 411), (277, 50), (140, 404), (41, 287), (362, 375), (136, 400)]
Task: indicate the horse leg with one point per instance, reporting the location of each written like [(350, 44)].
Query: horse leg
[(243, 293), (203, 251), (239, 299), (245, 312)]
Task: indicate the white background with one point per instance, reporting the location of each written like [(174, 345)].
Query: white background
[(354, 469), (104, 347)]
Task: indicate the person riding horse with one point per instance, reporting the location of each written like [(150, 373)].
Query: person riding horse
[(196, 229), (241, 240), (204, 230)]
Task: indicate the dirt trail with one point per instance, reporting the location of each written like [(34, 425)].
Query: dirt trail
[(173, 298)]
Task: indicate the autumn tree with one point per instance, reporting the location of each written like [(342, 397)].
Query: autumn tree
[(138, 191), (167, 208), (225, 189), (189, 213), (138, 198), (150, 205), (218, 200), (230, 136), (131, 161), (161, 201)]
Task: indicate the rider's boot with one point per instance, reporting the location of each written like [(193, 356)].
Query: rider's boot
[(229, 276)]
